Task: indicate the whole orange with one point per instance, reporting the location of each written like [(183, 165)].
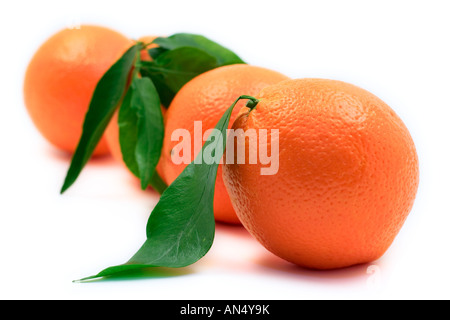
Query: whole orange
[(205, 98), (61, 78), (347, 176)]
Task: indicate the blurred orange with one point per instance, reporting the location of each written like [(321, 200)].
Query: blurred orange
[(61, 79), (206, 98)]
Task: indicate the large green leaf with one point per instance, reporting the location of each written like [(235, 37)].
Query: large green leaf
[(223, 55), (181, 57), (181, 227), (174, 68)]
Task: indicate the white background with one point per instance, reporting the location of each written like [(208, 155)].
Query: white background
[(399, 50)]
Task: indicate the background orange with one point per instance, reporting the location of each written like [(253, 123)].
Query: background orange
[(205, 98), (61, 79)]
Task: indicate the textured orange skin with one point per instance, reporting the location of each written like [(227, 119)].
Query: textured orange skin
[(205, 98), (62, 77), (348, 174)]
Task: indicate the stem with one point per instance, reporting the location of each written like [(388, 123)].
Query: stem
[(157, 183), (252, 101), (145, 45), (142, 45), (137, 65)]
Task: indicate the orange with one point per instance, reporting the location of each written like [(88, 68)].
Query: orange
[(347, 178), (205, 98), (61, 79)]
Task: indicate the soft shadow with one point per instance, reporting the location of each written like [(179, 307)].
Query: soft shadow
[(134, 183), (266, 262), (236, 230), (144, 273), (273, 264), (64, 156), (103, 161), (56, 154)]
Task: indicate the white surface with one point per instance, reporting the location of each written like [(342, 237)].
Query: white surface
[(399, 50)]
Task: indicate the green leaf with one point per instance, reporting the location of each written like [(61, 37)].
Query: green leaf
[(174, 68), (181, 57), (105, 100), (141, 131), (181, 227), (177, 60), (128, 132), (155, 52), (223, 55)]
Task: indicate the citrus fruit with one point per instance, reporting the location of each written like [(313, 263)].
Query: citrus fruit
[(61, 78), (205, 98), (347, 177)]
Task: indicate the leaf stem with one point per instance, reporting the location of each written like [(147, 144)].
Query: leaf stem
[(145, 45), (252, 101), (158, 183)]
